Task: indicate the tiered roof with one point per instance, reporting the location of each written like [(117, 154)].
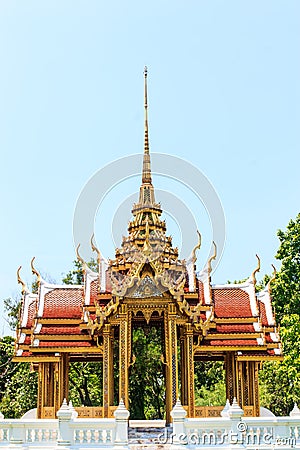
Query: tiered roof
[(67, 318)]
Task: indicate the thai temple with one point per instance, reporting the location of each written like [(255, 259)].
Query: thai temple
[(147, 284)]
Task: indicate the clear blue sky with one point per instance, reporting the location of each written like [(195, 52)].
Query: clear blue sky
[(224, 95)]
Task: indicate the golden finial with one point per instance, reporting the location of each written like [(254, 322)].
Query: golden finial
[(78, 256), (147, 229), (20, 281), (213, 256), (35, 272), (197, 247), (257, 269), (146, 178), (273, 276), (95, 249), (147, 246)]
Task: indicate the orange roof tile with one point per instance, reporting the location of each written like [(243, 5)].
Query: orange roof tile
[(235, 328), (263, 314), (61, 329), (31, 314), (63, 303), (200, 289), (231, 342), (94, 292), (65, 344), (231, 302)]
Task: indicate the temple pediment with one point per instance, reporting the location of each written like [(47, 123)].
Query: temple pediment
[(146, 288)]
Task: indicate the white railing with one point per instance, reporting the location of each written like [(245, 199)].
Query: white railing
[(66, 432), (17, 432), (232, 430)]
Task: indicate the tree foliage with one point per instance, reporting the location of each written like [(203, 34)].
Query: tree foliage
[(86, 383), (75, 275), (210, 389), (18, 384), (286, 289), (280, 382), (147, 384), (12, 306)]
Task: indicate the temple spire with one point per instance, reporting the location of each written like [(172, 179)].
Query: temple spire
[(146, 177), (146, 197)]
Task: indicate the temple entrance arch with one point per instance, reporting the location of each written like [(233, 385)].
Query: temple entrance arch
[(147, 371), (148, 335)]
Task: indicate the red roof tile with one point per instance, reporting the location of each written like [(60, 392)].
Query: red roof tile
[(63, 303), (200, 288), (31, 314), (232, 342), (235, 328), (262, 310), (231, 302), (27, 340), (65, 344), (26, 353), (61, 329), (268, 338), (94, 292)]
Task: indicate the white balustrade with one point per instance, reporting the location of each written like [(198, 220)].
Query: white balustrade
[(232, 431), (68, 432)]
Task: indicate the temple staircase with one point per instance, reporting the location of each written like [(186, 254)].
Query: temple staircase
[(148, 434)]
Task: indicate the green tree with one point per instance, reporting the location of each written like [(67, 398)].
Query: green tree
[(18, 384), (12, 306), (86, 381), (280, 381), (210, 388), (286, 289), (147, 384), (75, 275)]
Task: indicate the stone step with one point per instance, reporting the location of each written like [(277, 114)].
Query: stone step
[(150, 446), (148, 436)]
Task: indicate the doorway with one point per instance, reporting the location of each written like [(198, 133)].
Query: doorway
[(147, 372)]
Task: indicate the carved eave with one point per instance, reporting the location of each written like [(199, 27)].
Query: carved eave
[(225, 348), (71, 349), (228, 320), (259, 358), (36, 358)]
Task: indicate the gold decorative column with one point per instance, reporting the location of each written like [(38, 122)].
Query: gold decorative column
[(53, 383), (190, 369), (254, 386), (187, 369), (171, 359), (108, 377), (123, 354), (183, 374), (240, 383), (248, 385), (61, 380), (231, 376), (40, 395)]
